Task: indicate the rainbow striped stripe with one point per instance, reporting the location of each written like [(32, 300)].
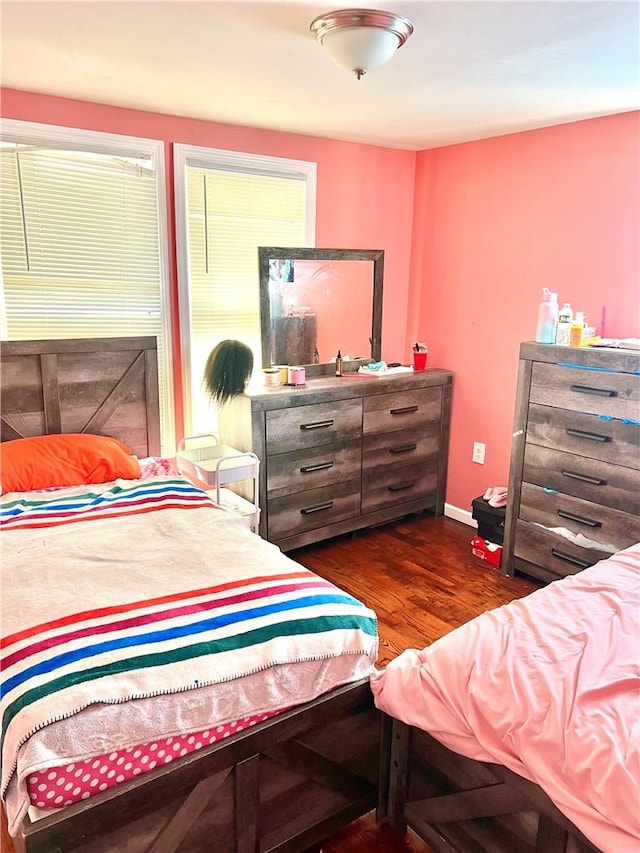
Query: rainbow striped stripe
[(55, 508)]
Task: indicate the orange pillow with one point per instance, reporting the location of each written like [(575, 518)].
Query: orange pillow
[(45, 461)]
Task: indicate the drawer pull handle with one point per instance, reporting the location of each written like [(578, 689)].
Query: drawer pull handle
[(321, 466), (591, 436), (317, 425), (405, 410), (317, 508), (569, 558), (401, 487), (584, 478), (579, 518), (599, 392), (403, 448)]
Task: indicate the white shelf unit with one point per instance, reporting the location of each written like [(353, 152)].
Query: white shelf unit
[(203, 458)]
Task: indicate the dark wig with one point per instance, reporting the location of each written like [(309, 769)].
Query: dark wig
[(227, 370)]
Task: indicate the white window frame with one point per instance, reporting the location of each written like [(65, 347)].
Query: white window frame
[(33, 133), (213, 158)]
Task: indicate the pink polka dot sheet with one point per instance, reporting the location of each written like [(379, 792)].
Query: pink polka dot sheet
[(61, 786)]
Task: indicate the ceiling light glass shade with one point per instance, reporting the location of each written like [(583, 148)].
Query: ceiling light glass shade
[(361, 40)]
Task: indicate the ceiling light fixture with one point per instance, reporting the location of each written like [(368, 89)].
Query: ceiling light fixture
[(361, 40)]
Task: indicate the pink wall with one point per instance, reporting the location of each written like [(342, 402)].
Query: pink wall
[(364, 200), (497, 220)]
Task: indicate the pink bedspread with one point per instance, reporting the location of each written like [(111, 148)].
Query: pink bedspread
[(548, 686)]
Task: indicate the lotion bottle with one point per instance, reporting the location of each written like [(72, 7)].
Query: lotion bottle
[(576, 334), (547, 317), (339, 364), (565, 318)]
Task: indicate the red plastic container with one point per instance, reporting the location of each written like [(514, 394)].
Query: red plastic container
[(486, 551), (420, 360)]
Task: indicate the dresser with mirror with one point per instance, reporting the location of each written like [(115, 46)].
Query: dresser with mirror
[(338, 453)]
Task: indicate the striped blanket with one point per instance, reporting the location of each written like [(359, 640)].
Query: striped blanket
[(136, 589)]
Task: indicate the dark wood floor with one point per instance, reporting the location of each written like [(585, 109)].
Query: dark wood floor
[(419, 575), (421, 579)]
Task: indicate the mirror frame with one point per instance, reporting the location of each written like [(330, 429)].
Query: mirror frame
[(376, 256)]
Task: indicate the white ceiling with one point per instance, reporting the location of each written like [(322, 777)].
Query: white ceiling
[(470, 70)]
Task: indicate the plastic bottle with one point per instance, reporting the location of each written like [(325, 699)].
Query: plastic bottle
[(547, 317), (339, 364), (565, 318), (576, 334), (316, 356)]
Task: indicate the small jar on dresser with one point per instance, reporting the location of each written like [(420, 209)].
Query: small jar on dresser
[(343, 453), (574, 480)]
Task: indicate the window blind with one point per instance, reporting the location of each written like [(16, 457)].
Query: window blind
[(229, 214), (79, 244)]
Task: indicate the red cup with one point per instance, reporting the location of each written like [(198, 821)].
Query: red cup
[(420, 360)]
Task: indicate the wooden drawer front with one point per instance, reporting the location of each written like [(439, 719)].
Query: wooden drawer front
[(309, 426), (404, 410), (409, 447), (590, 479), (599, 523), (552, 552), (310, 469), (397, 485), (315, 508), (586, 435), (595, 391)]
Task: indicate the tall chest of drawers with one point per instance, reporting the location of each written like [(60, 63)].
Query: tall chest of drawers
[(339, 454), (574, 481)]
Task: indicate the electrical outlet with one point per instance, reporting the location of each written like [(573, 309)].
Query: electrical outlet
[(478, 452)]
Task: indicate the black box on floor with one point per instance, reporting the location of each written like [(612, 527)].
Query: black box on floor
[(490, 520)]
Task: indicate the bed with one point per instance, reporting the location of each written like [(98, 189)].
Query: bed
[(137, 612), (521, 729)]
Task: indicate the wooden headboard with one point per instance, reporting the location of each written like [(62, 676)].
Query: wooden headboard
[(104, 386)]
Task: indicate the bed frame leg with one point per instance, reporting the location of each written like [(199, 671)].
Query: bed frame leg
[(246, 797), (398, 774), (384, 763), (550, 838)]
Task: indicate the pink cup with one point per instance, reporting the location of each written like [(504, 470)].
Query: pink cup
[(420, 360)]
